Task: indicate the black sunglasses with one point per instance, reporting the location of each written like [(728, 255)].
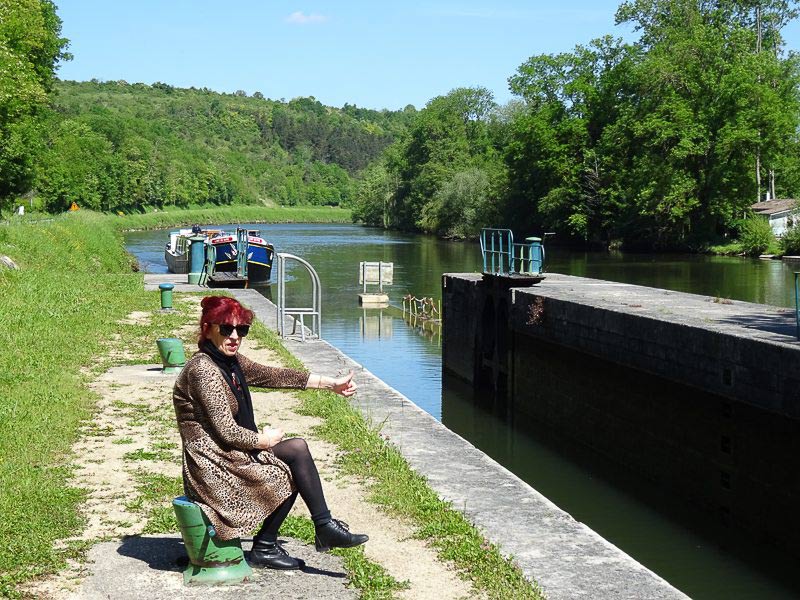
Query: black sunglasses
[(226, 329)]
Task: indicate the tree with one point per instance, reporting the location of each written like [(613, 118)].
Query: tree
[(373, 197), (461, 207), (30, 48), (451, 134), (655, 142), (78, 166), (711, 107), (560, 158)]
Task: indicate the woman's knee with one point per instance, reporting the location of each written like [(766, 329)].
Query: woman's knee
[(292, 449), (298, 445)]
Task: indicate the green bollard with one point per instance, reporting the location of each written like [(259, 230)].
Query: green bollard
[(197, 256), (166, 295), (172, 355), (211, 561)]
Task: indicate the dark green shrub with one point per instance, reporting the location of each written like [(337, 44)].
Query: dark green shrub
[(755, 236), (790, 242)]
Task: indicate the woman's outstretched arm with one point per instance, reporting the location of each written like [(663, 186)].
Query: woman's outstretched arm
[(344, 385)]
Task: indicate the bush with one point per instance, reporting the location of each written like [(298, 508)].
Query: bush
[(755, 236), (790, 242), (461, 206)]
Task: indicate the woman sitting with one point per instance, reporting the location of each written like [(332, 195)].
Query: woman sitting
[(239, 476)]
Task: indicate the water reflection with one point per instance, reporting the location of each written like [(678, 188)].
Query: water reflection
[(427, 328), (374, 326), (693, 553)]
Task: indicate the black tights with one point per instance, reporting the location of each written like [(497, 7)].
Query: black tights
[(294, 452)]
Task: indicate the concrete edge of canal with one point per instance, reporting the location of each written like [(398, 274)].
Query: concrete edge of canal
[(564, 556)]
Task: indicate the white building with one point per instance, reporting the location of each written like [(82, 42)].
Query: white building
[(781, 214)]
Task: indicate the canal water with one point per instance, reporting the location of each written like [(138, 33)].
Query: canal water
[(667, 537)]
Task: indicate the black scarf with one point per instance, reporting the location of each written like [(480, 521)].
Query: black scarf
[(232, 372)]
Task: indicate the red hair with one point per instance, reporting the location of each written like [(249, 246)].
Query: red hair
[(221, 309)]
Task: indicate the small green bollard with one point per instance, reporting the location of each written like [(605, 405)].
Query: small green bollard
[(166, 295), (211, 561), (172, 354)]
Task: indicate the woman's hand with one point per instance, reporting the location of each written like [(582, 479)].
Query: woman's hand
[(344, 386), (269, 437)]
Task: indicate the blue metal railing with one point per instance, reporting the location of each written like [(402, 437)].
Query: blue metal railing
[(502, 256), (496, 247)]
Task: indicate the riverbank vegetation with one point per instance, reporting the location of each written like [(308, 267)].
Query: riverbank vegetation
[(662, 142), (233, 214), (659, 141), (116, 146), (64, 313)]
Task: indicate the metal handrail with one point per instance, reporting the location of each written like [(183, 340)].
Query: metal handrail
[(493, 252), (181, 245), (501, 256), (314, 311)]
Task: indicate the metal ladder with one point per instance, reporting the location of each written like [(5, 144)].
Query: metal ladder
[(298, 313)]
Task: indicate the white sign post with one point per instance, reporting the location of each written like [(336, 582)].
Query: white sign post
[(375, 273)]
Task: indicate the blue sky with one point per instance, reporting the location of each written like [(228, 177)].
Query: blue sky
[(373, 54)]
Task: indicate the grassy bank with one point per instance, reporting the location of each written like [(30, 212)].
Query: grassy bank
[(233, 214), (74, 284), (62, 314)]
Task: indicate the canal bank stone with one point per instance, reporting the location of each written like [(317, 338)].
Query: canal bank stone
[(564, 556)]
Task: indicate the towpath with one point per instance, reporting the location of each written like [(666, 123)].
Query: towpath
[(132, 449)]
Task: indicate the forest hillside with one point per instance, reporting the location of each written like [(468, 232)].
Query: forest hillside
[(115, 146)]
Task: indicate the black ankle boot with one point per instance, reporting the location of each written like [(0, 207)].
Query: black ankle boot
[(336, 534), (270, 554)]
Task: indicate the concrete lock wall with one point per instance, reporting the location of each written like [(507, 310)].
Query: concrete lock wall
[(700, 398)]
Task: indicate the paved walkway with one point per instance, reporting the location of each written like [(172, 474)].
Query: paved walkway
[(148, 567)]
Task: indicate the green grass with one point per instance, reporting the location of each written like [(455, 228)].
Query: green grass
[(61, 314), (154, 501), (728, 249), (371, 579), (737, 247), (233, 214), (58, 313)]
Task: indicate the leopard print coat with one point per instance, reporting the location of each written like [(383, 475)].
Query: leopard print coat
[(235, 489)]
